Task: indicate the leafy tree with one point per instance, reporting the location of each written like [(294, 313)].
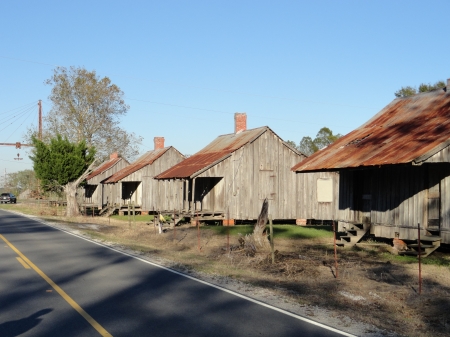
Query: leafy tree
[(62, 166), (21, 181), (423, 87), (291, 144), (87, 107), (323, 138), (307, 146)]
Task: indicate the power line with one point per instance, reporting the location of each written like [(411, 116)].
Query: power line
[(225, 112), (23, 106), (210, 89), (15, 118), (26, 118)]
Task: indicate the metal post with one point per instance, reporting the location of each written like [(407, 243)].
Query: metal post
[(271, 239), (134, 214), (228, 230), (40, 120), (335, 250), (174, 226), (129, 215), (198, 234), (420, 260), (154, 219)]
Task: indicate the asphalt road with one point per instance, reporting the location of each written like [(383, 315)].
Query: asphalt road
[(74, 287)]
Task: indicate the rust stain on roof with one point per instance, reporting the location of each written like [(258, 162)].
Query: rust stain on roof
[(405, 130), (216, 151), (103, 167), (146, 159)]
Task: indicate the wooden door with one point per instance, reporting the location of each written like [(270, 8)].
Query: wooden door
[(363, 195), (434, 198)]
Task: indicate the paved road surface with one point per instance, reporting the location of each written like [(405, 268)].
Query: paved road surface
[(74, 287)]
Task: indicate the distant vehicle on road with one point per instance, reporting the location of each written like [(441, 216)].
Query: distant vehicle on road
[(8, 197)]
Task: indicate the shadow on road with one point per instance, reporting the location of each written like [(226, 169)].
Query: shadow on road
[(18, 327)]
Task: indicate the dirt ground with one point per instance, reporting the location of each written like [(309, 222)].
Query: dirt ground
[(374, 294)]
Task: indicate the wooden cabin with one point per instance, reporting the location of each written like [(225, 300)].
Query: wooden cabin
[(394, 171), (95, 193), (317, 196), (230, 177), (134, 184)]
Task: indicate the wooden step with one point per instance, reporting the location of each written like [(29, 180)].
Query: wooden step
[(422, 246), (410, 252), (356, 232), (346, 238), (430, 238)]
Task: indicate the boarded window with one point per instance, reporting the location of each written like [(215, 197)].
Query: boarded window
[(325, 190), (267, 185)]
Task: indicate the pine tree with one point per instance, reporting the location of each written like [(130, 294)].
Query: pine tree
[(61, 166)]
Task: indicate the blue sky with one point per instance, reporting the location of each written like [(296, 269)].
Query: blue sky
[(187, 66)]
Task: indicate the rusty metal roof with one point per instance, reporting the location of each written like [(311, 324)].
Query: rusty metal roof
[(147, 159), (218, 150), (103, 167), (408, 130)]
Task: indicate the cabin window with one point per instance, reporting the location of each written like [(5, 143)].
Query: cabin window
[(267, 185), (324, 190)]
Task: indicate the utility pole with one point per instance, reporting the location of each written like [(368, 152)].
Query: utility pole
[(40, 120)]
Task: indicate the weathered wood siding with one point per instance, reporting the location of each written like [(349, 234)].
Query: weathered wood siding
[(442, 156), (157, 194), (395, 198), (258, 170), (100, 196), (308, 205)]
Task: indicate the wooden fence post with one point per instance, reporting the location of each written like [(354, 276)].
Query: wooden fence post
[(271, 239), (335, 250)]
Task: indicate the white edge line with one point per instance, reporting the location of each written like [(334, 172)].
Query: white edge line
[(301, 318)]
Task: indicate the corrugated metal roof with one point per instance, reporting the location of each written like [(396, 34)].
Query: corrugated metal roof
[(407, 130), (103, 167), (216, 151), (147, 159)]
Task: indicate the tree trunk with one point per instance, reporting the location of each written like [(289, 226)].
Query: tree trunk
[(71, 195), (260, 226), (71, 192)]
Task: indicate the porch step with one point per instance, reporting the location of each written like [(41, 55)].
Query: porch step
[(354, 234), (103, 210), (109, 211), (412, 253), (422, 246), (426, 248), (430, 238)]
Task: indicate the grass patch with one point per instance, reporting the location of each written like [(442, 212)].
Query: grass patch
[(302, 232), (279, 231), (432, 260), (138, 218)]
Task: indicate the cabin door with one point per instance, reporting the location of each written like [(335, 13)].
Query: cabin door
[(434, 198), (363, 195), (104, 195)]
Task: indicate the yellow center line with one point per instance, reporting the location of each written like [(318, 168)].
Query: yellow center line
[(61, 292), (23, 263)]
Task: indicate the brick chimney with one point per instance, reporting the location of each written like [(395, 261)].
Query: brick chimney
[(159, 143), (240, 122), (114, 155)]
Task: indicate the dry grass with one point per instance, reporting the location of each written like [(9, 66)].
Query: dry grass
[(372, 287)]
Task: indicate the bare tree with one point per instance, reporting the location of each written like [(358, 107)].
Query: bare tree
[(87, 107)]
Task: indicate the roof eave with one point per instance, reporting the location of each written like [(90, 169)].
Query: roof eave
[(196, 174), (419, 160)]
